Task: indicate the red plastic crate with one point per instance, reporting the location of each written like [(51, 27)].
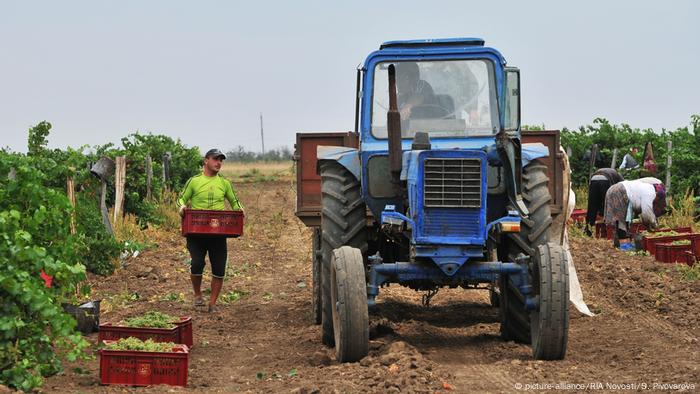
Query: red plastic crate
[(144, 368), (185, 326), (649, 243), (669, 253), (695, 243), (680, 230), (205, 222), (578, 215), (181, 333)]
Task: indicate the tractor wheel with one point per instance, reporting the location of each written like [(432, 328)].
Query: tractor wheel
[(534, 231), (316, 275), (550, 322), (349, 298), (343, 222)]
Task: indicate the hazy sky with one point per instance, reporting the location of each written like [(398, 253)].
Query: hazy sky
[(202, 71)]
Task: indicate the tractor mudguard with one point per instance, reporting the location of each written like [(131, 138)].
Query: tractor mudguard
[(530, 151), (347, 157)]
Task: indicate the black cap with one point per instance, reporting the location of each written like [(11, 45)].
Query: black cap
[(215, 153)]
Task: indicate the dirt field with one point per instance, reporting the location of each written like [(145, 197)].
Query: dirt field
[(646, 330)]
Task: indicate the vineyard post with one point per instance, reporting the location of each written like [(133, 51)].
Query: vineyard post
[(119, 180), (668, 167), (166, 171), (149, 176), (70, 188), (591, 163), (103, 169), (103, 207), (613, 163)]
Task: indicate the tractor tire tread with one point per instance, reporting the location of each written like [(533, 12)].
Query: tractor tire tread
[(340, 226)]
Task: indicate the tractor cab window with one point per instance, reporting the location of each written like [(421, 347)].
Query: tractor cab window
[(446, 98)]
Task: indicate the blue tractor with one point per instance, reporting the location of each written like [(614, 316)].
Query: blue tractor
[(439, 192)]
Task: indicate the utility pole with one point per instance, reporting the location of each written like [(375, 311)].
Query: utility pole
[(262, 136)]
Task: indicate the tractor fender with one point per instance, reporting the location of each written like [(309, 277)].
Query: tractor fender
[(347, 157), (530, 151)]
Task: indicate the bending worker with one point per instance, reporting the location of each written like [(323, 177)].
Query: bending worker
[(208, 190), (600, 182), (645, 197)]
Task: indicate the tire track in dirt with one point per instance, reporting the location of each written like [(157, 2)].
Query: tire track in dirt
[(459, 332)]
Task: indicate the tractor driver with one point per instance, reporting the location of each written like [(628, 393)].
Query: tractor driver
[(415, 97), (208, 190)]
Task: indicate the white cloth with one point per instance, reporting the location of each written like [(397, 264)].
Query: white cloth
[(641, 195), (575, 293), (650, 179)]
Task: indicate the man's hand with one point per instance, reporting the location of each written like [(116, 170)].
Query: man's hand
[(181, 211)]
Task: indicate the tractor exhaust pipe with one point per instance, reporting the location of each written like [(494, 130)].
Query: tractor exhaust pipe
[(393, 123)]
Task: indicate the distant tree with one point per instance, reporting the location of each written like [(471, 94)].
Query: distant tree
[(240, 154)]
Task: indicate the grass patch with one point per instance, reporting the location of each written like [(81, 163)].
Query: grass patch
[(581, 193), (172, 297), (682, 212), (232, 296), (689, 273), (258, 171)]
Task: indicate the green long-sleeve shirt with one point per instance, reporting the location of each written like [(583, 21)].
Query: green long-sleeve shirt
[(208, 192)]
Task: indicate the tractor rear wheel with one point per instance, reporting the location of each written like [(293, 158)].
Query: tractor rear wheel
[(343, 222), (349, 300), (316, 275), (534, 231), (550, 322)]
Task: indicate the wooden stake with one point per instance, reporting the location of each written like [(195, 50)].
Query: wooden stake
[(669, 148), (591, 162), (149, 177), (119, 180), (613, 163), (70, 187), (103, 208), (166, 172)]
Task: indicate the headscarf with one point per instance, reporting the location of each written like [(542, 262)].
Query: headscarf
[(659, 203)]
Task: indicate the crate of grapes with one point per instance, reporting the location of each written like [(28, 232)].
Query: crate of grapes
[(130, 361), (152, 325), (210, 223), (673, 252)]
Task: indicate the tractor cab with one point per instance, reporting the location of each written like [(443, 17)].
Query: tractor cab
[(449, 114)]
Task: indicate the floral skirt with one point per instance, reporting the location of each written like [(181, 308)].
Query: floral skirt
[(616, 203)]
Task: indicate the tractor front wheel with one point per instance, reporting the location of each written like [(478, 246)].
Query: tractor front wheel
[(343, 223), (549, 323), (349, 301), (534, 231)]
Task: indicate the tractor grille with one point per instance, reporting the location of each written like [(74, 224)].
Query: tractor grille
[(454, 183)]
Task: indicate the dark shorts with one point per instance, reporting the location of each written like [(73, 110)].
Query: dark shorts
[(596, 200), (216, 247)]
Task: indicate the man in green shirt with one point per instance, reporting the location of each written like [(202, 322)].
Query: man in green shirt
[(208, 190)]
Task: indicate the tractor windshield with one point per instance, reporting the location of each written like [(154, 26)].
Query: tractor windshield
[(446, 98)]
